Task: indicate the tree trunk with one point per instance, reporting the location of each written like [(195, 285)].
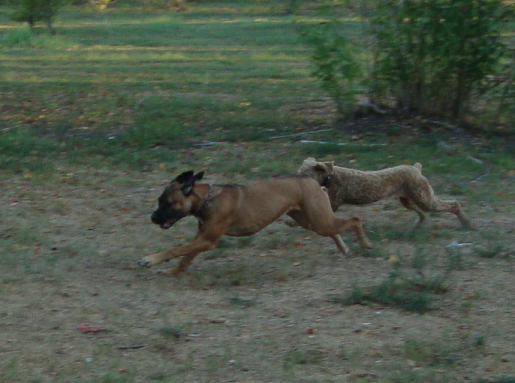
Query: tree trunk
[(48, 21), (180, 5), (30, 21)]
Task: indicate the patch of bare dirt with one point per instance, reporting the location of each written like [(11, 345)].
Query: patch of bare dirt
[(74, 306)]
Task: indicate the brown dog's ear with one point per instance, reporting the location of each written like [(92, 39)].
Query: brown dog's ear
[(329, 167), (188, 185), (184, 177), (198, 176)]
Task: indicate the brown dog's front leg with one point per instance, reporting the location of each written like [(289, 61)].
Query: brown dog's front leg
[(198, 245), (181, 266), (340, 244)]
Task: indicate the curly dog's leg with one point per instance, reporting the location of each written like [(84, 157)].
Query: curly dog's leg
[(408, 204)]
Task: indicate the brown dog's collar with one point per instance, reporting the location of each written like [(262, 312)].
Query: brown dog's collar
[(204, 206)]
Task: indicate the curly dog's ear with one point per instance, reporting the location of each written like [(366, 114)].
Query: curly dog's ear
[(329, 166), (326, 167), (309, 162)]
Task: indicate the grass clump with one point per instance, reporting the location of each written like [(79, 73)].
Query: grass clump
[(170, 332), (491, 250), (431, 353), (302, 357), (25, 38), (242, 302), (392, 293), (414, 293), (504, 379)]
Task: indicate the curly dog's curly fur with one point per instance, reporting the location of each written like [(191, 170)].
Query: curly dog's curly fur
[(355, 187)]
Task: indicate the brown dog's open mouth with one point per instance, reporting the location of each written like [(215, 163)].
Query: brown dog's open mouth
[(168, 224)]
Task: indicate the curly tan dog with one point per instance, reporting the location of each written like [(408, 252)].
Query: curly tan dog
[(239, 210), (355, 187)]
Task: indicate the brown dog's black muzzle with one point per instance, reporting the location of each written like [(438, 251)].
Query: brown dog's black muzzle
[(165, 218), (155, 218)]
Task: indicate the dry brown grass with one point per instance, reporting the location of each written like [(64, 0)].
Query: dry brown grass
[(254, 310)]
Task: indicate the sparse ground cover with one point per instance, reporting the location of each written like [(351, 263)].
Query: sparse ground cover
[(98, 119)]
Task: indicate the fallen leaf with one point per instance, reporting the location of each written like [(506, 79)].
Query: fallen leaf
[(86, 328), (393, 259)]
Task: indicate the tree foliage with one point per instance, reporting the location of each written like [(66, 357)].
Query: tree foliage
[(434, 55), (335, 60), (33, 11)]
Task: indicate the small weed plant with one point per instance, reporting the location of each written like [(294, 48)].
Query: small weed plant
[(302, 357), (504, 379), (431, 353), (407, 287), (490, 250)]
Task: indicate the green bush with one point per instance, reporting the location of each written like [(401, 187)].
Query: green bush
[(433, 56), (336, 63), (32, 11)]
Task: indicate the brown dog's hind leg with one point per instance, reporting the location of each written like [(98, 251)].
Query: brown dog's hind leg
[(355, 224), (332, 227), (340, 244)]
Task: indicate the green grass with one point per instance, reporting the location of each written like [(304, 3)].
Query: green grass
[(94, 121), (129, 87), (411, 285)]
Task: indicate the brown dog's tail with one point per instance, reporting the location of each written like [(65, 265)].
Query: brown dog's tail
[(418, 166)]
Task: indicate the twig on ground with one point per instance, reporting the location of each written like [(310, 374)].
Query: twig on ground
[(131, 347), (298, 134), (339, 143)]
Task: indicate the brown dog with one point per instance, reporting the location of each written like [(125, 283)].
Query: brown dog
[(355, 187), (238, 210)]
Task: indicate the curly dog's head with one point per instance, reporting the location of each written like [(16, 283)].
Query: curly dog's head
[(316, 169)]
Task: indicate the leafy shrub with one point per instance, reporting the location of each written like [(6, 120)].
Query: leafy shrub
[(24, 38), (32, 11), (433, 56), (336, 63), (19, 37)]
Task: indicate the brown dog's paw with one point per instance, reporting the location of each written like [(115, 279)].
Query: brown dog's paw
[(168, 272), (149, 260), (144, 263)]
